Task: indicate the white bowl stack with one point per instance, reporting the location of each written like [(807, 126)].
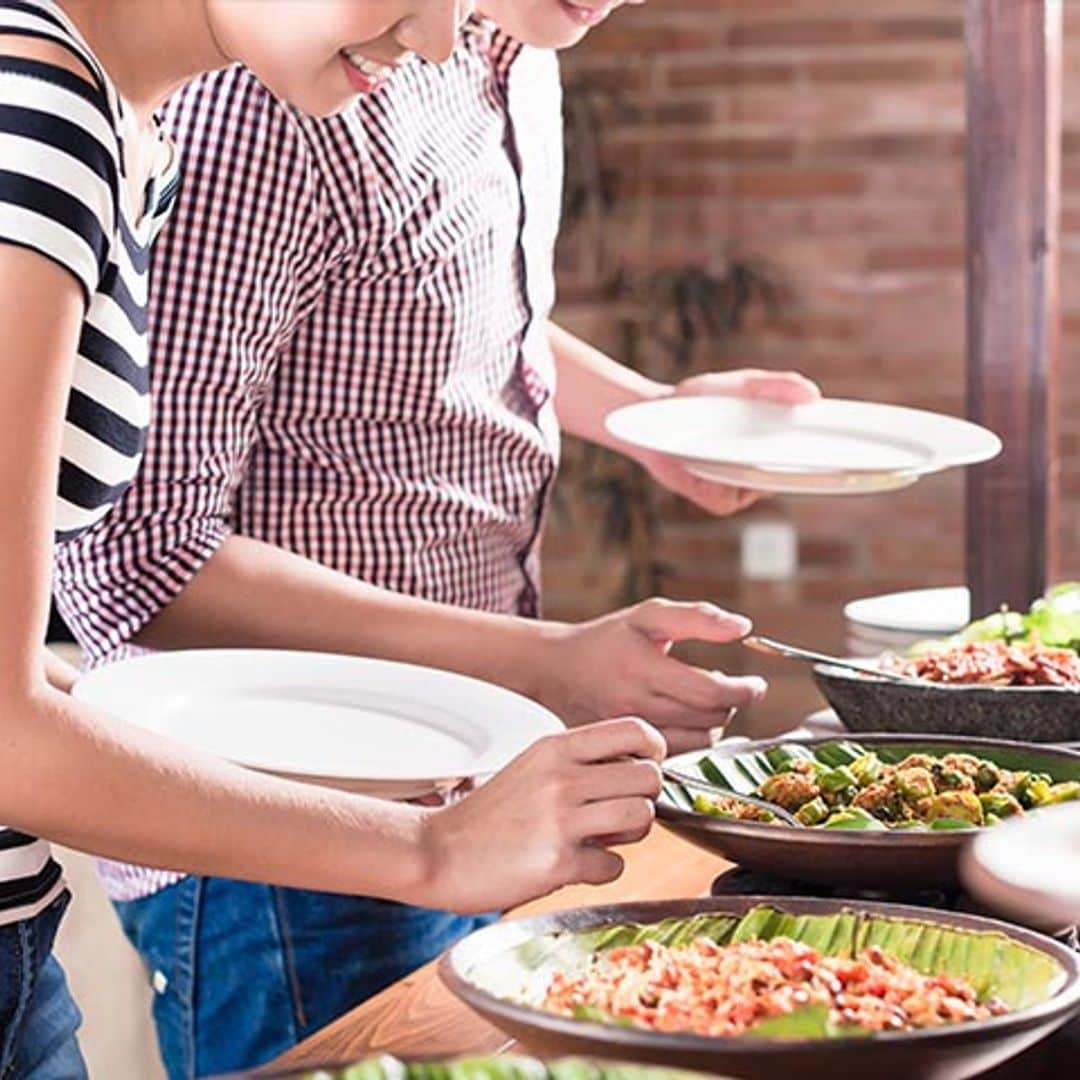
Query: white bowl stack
[(895, 621)]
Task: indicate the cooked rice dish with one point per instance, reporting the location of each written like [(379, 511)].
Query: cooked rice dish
[(724, 990)]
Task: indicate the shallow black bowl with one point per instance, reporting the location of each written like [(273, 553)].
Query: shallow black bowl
[(1044, 714), (897, 861), (946, 1053)]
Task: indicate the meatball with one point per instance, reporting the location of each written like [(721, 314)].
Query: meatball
[(963, 805), (790, 789), (914, 783), (878, 799)]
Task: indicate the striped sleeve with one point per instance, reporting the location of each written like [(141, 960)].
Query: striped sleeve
[(59, 168)]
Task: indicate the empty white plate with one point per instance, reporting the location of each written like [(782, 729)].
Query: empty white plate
[(393, 730), (921, 612), (831, 446), (1029, 867)]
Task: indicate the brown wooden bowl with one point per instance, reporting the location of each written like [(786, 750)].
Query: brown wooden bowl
[(896, 861), (947, 1053)]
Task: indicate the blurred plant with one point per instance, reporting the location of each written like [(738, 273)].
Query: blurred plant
[(669, 320)]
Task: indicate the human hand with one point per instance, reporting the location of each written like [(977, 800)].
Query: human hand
[(781, 387), (619, 665), (547, 819)]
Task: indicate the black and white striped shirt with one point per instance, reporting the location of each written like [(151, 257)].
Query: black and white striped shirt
[(64, 194)]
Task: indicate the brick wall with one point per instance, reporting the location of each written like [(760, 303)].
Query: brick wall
[(826, 137)]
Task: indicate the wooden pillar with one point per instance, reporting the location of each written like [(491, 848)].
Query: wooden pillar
[(1014, 184)]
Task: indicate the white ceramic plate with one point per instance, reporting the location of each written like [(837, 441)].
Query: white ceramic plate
[(1029, 867), (922, 612), (831, 446), (393, 730)]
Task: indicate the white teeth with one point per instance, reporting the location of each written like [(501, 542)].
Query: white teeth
[(371, 68)]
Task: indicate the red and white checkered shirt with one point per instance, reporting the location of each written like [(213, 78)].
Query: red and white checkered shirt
[(349, 346)]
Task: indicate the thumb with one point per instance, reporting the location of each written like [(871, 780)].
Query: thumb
[(668, 620)]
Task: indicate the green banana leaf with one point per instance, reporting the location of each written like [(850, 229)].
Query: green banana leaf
[(508, 1067), (995, 964), (743, 773)]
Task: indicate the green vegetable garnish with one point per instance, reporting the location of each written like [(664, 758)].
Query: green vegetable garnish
[(836, 780), (1066, 791), (813, 812), (866, 769)]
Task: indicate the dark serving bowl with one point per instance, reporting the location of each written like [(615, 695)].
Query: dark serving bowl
[(499, 968), (905, 861), (1044, 714)]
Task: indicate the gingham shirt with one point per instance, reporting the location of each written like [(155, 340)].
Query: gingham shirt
[(350, 354)]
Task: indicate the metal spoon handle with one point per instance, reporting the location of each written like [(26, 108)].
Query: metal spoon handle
[(715, 789), (793, 652)]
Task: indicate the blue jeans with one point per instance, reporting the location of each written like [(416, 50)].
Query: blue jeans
[(38, 1019), (242, 972)]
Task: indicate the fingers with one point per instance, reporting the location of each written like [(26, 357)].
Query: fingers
[(613, 739), (703, 691), (718, 499), (618, 779), (783, 387), (681, 740), (668, 620), (627, 819), (595, 866)]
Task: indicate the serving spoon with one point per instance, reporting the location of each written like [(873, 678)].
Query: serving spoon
[(793, 652), (723, 793)]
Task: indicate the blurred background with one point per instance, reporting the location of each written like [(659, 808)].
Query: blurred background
[(776, 183), (780, 183)]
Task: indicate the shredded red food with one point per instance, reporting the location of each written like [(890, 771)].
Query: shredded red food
[(996, 663), (709, 989)]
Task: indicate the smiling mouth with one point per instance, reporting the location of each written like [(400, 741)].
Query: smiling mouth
[(372, 69), (587, 14)]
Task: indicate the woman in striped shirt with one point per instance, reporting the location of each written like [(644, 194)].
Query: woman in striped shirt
[(86, 181)]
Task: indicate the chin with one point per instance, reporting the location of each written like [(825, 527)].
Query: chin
[(563, 35), (317, 101)]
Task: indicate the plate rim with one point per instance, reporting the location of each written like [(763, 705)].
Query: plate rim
[(86, 689), (855, 620), (1067, 996), (993, 446), (760, 830), (829, 671)]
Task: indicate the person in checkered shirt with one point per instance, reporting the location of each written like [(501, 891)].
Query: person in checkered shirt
[(358, 400)]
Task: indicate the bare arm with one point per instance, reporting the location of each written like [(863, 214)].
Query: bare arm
[(591, 384), (113, 789), (251, 594)]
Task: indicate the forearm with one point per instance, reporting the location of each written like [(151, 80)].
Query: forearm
[(251, 594), (118, 791), (592, 384)]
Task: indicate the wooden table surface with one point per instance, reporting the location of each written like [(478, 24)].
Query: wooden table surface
[(419, 1016)]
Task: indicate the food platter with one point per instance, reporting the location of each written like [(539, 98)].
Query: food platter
[(1043, 714), (1009, 675), (506, 971), (827, 447), (502, 1067), (850, 856), (371, 726)]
